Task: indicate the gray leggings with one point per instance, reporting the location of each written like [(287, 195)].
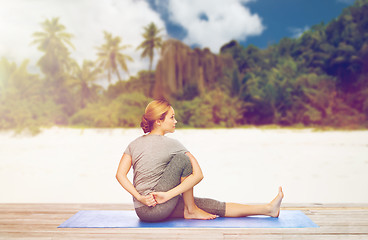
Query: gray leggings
[(179, 166)]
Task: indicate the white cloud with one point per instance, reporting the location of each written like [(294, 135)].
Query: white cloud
[(85, 19), (297, 32), (227, 20)]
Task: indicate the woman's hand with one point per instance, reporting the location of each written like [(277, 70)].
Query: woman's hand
[(161, 197), (148, 200)]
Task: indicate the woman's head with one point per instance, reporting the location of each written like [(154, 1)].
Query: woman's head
[(158, 114)]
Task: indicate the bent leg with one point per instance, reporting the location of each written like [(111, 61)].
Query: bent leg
[(178, 167), (191, 208)]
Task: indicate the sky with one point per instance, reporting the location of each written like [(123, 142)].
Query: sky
[(198, 23)]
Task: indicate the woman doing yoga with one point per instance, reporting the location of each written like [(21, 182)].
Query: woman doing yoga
[(165, 173)]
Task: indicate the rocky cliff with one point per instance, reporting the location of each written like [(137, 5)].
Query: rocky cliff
[(183, 72)]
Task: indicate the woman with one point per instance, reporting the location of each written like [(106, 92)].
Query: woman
[(165, 173)]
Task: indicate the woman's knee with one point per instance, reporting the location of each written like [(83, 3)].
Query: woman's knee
[(146, 215), (158, 213), (183, 160)]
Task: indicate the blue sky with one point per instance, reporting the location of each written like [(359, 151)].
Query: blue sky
[(287, 18), (279, 18)]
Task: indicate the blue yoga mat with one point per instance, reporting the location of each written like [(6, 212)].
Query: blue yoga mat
[(128, 219)]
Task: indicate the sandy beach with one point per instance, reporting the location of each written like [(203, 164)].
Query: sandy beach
[(66, 165)]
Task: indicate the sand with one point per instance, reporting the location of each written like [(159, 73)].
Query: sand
[(65, 165)]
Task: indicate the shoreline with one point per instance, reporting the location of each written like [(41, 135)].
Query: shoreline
[(30, 133)]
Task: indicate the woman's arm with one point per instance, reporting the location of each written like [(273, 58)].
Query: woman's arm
[(185, 185), (121, 175)]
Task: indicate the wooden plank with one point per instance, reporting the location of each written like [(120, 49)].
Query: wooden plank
[(150, 235), (321, 230), (299, 237), (97, 206), (40, 221)]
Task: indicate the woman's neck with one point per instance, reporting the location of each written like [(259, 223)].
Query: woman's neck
[(157, 132)]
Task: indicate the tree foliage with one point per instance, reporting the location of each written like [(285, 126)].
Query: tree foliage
[(82, 83), (318, 79), (23, 104), (124, 111)]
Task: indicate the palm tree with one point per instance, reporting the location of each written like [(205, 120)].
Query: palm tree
[(110, 56), (56, 63), (152, 41), (83, 81), (53, 41)]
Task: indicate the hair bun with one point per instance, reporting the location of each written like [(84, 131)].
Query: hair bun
[(145, 124)]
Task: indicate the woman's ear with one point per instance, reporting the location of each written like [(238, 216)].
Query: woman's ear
[(158, 122)]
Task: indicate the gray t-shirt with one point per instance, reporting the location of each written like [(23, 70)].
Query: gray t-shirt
[(150, 156)]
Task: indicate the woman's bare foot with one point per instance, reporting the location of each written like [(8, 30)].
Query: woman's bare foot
[(276, 203), (197, 213)]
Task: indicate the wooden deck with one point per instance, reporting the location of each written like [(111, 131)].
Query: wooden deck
[(40, 221)]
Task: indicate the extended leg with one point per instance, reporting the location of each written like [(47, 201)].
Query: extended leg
[(241, 210), (232, 209)]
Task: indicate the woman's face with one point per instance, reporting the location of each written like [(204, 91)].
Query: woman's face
[(168, 124)]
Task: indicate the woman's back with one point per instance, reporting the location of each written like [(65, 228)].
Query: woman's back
[(150, 155)]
